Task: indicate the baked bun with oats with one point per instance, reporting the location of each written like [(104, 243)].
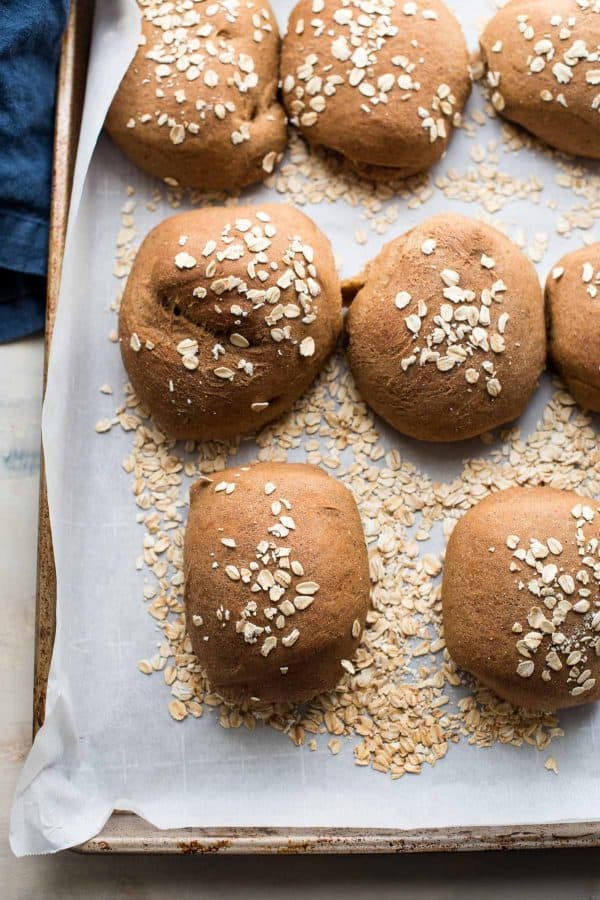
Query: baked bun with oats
[(542, 61), (276, 581), (521, 598), (573, 317), (383, 82), (198, 104), (447, 335), (228, 315)]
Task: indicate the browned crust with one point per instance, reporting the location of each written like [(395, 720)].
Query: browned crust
[(481, 600), (158, 305), (574, 128), (328, 540), (389, 140), (209, 160), (423, 402)]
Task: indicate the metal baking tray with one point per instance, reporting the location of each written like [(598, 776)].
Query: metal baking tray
[(125, 832)]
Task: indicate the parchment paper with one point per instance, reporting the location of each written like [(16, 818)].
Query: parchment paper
[(108, 741)]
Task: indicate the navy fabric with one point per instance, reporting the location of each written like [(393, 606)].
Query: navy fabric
[(30, 38)]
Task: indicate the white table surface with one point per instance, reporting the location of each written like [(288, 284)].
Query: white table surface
[(545, 875)]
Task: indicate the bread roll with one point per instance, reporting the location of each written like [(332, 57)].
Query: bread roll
[(276, 581), (573, 313), (543, 68), (447, 336), (381, 83), (198, 105), (520, 597), (227, 317)]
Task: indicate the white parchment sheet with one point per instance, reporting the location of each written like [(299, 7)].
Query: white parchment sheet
[(108, 741)]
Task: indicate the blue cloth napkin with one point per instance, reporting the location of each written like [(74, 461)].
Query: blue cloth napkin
[(30, 38)]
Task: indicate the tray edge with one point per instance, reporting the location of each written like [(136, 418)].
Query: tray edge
[(69, 107), (127, 833)]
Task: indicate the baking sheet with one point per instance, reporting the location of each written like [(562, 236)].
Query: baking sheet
[(108, 741)]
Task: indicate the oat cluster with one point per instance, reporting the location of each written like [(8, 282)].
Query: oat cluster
[(185, 43), (277, 588), (463, 326), (279, 289), (360, 31), (559, 594), (590, 276), (556, 51)]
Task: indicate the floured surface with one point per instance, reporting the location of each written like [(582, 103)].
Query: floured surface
[(109, 740)]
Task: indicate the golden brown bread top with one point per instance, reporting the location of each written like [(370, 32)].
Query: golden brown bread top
[(521, 597), (199, 100), (543, 68), (573, 311), (381, 82), (447, 337), (277, 580), (227, 312)]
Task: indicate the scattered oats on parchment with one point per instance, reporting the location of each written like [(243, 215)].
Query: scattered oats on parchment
[(396, 708)]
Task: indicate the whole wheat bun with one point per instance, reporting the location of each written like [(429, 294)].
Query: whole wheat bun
[(276, 581), (198, 105), (573, 315), (381, 83), (520, 597), (543, 68), (227, 317), (447, 335)]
